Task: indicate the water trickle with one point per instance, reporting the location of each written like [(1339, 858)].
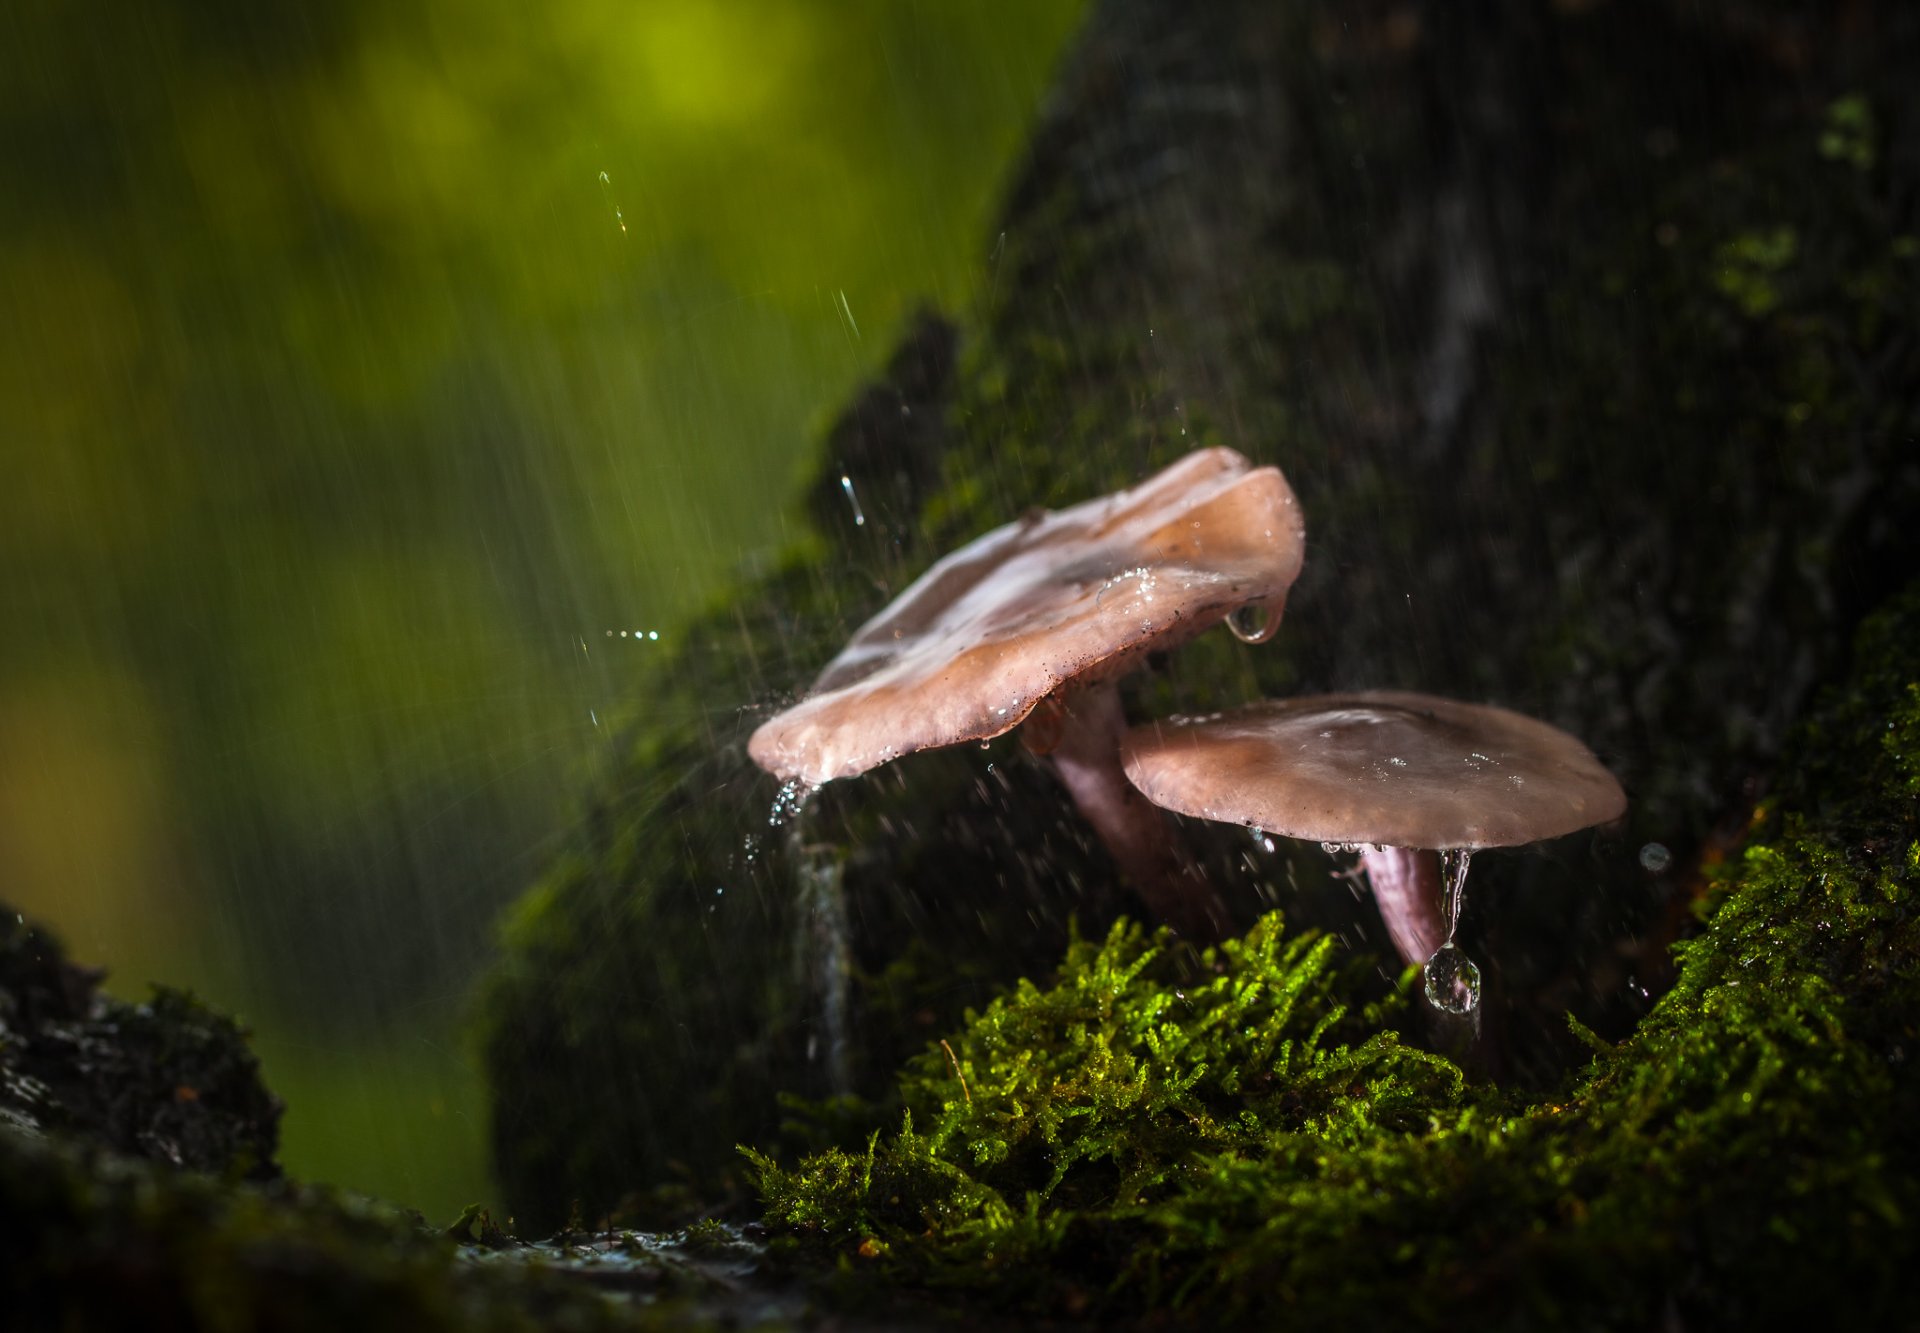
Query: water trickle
[(1454, 863), (1452, 978), (824, 952), (1252, 623), (859, 514), (1453, 981)]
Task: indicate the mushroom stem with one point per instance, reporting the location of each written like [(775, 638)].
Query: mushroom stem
[(1144, 846), (1406, 888)]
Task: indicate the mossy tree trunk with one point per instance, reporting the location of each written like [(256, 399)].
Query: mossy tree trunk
[(1586, 333)]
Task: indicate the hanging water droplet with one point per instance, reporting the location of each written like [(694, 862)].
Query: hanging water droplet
[(1453, 980), (1252, 623)]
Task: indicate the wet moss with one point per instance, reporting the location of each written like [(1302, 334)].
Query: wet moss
[(1232, 1144)]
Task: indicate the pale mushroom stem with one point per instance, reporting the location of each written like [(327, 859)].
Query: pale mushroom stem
[(1406, 888), (1137, 835)]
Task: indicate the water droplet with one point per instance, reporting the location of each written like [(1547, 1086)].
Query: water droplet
[(606, 191), (1252, 623), (1453, 981), (846, 484), (1655, 858), (789, 801)]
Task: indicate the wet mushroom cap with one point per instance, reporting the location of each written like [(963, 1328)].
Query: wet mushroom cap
[(970, 649), (1381, 766)]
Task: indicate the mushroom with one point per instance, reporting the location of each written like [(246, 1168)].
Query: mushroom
[(1038, 620), (1393, 774)]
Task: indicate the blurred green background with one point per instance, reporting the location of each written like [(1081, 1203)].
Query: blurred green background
[(365, 371)]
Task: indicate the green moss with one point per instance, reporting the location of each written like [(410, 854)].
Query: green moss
[(1219, 1135), (1105, 1093)]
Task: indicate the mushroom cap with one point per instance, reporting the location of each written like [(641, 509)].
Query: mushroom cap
[(976, 642), (1381, 766)]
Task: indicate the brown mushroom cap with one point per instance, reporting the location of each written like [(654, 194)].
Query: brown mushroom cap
[(1382, 767), (968, 650)]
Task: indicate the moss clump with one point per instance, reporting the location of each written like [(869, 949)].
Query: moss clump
[(1101, 1097), (1235, 1148)]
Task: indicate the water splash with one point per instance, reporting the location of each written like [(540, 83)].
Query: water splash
[(1452, 978), (789, 801)]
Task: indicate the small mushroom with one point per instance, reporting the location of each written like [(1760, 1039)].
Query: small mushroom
[(1039, 619), (1392, 773)]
